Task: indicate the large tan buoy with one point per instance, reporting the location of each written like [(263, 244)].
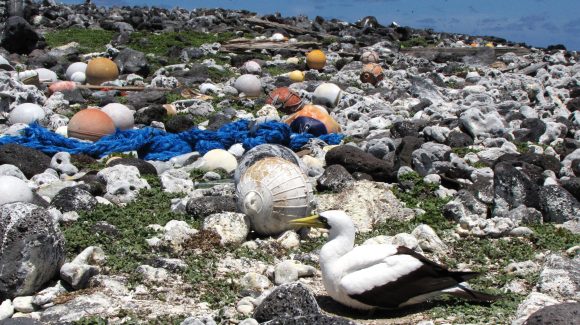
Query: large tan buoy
[(100, 70), (90, 124)]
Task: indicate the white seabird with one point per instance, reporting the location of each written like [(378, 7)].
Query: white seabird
[(381, 276)]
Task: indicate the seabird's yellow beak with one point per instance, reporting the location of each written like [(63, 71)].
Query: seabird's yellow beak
[(312, 221)]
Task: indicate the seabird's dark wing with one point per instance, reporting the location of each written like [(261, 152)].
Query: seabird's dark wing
[(399, 278)]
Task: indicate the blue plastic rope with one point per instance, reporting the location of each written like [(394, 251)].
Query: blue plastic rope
[(155, 144)]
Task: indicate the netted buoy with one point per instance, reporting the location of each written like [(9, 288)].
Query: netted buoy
[(313, 119), (272, 192), (266, 150), (371, 73), (369, 57), (285, 100)]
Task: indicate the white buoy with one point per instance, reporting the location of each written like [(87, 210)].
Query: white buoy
[(13, 189), (46, 75), (79, 77), (26, 113), (252, 67), (278, 37), (219, 158), (121, 115), (248, 84), (272, 192), (75, 67), (327, 94)]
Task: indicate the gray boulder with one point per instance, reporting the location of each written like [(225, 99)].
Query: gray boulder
[(287, 301), (559, 314), (558, 205), (335, 178), (31, 249)]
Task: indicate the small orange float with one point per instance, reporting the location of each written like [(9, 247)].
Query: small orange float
[(285, 100)]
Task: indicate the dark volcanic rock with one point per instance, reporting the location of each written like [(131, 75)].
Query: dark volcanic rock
[(287, 301), (405, 150), (513, 188), (131, 61), (145, 98), (572, 185), (73, 199), (149, 114), (144, 167), (334, 178), (18, 36), (557, 204), (29, 161), (560, 314), (179, 123), (574, 104), (403, 129), (201, 207), (530, 130), (356, 160), (32, 249), (20, 321), (458, 139), (311, 319)]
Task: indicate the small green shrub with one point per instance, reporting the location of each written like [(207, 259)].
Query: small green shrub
[(90, 40)]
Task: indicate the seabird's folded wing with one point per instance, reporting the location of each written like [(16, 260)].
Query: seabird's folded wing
[(362, 257), (396, 280)]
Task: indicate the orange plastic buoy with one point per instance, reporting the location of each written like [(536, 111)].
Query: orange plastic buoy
[(90, 124), (371, 73), (316, 59), (285, 100), (100, 70), (313, 119)]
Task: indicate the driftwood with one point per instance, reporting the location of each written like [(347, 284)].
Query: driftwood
[(243, 44), (485, 55), (288, 28)]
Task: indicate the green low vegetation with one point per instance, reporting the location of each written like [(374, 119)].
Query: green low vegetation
[(416, 41), (276, 70), (90, 40), (160, 43)]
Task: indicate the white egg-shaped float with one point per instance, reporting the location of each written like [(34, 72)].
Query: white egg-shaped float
[(272, 192), (278, 37), (74, 68), (26, 113), (28, 77), (79, 77), (219, 158), (13, 189), (46, 75), (121, 115), (62, 130), (248, 84), (327, 94), (252, 67), (4, 64)]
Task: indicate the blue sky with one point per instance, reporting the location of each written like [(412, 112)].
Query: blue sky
[(535, 22)]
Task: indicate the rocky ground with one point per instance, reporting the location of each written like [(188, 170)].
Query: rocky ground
[(469, 155)]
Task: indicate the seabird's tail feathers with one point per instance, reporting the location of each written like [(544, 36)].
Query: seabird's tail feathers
[(464, 292)]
